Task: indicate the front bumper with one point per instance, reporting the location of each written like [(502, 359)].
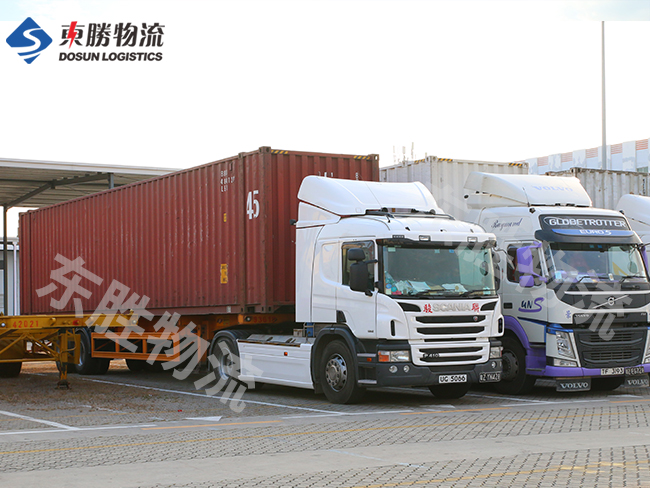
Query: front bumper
[(427, 376), (557, 371)]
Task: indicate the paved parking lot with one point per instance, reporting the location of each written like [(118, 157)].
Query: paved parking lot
[(151, 430)]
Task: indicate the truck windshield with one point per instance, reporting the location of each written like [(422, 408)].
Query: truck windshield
[(464, 270), (594, 262)]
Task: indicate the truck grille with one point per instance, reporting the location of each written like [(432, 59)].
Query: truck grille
[(624, 349), (450, 355)]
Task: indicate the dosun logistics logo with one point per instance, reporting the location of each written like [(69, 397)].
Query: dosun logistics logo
[(29, 40)]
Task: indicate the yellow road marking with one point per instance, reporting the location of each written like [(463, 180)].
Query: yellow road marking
[(454, 411), (550, 469)]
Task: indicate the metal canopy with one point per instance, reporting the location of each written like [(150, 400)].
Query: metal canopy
[(40, 183), (25, 183)]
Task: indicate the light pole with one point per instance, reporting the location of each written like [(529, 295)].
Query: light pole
[(604, 150)]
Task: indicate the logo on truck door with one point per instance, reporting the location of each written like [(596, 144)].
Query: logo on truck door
[(531, 305)]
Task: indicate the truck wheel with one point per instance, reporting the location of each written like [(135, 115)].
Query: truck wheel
[(606, 384), (451, 391), (89, 365), (338, 374), (514, 380), (225, 350), (10, 370), (136, 365)]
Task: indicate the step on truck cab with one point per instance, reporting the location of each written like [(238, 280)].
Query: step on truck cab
[(574, 284), (392, 292)]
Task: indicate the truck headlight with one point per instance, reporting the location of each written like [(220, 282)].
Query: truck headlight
[(564, 363), (394, 356), (564, 347), (495, 352)]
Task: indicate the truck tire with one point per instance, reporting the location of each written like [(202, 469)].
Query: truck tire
[(451, 391), (223, 349), (514, 380), (136, 365), (606, 384), (87, 364), (338, 374), (10, 370)]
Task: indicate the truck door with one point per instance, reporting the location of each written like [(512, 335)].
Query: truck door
[(528, 304), (358, 310)]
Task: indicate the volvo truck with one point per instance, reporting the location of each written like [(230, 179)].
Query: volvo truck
[(574, 284)]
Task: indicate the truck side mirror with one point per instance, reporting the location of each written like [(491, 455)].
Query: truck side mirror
[(526, 267), (359, 275), (644, 255), (356, 254)]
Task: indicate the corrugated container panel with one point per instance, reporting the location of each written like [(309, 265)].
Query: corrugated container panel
[(212, 239), (446, 178), (605, 187)]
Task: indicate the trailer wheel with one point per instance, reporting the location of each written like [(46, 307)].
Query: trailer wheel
[(136, 365), (514, 380), (10, 370), (450, 391), (338, 374), (606, 384), (89, 365)]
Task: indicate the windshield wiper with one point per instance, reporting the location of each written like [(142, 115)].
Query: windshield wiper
[(623, 278), (425, 293), (592, 277), (482, 292)]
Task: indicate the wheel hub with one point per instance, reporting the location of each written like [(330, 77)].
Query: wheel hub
[(510, 366), (336, 372)]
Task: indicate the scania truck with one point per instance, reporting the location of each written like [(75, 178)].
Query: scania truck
[(373, 285), (574, 284)]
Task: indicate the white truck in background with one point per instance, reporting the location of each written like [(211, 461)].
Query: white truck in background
[(637, 210), (393, 292)]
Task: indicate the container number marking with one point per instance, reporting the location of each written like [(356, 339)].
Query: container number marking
[(252, 205)]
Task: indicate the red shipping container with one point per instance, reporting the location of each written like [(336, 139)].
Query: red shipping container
[(212, 239)]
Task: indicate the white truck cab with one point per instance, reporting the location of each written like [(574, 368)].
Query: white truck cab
[(391, 292), (574, 284)]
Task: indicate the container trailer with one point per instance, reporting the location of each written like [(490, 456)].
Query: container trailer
[(294, 268)]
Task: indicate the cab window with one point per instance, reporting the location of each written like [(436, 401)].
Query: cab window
[(369, 251)]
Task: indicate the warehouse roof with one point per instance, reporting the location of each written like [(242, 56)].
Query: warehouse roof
[(28, 183)]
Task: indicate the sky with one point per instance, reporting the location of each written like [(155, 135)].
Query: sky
[(484, 80)]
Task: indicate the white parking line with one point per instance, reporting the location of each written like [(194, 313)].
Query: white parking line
[(76, 429), (39, 421), (203, 395)]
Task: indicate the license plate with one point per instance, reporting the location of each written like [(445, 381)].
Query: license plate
[(634, 371), (489, 377), (578, 384), (637, 381), (452, 378), (611, 371)]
